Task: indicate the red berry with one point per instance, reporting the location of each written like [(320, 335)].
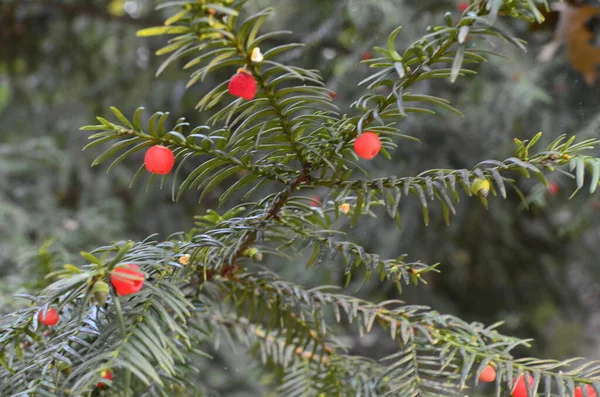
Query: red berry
[(367, 145), (521, 389), (106, 375), (243, 85), (51, 318), (462, 6), (553, 189), (159, 160), (315, 201), (488, 374), (590, 391), (366, 56), (127, 280), (332, 95)]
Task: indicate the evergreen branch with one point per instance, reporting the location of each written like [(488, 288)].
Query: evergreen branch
[(441, 184), (239, 43), (448, 342), (149, 336), (87, 343), (416, 64), (222, 164), (335, 375), (326, 248)]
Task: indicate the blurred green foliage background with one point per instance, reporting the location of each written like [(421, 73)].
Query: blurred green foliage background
[(62, 62)]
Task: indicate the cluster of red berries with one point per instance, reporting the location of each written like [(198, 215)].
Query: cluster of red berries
[(126, 280), (160, 160), (520, 390), (489, 375), (590, 391)]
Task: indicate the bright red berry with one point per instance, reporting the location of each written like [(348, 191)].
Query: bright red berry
[(332, 95), (243, 85), (315, 201), (553, 189), (590, 391), (488, 374), (159, 160), (366, 56), (127, 280), (367, 145), (51, 318), (462, 6), (521, 388), (106, 375)]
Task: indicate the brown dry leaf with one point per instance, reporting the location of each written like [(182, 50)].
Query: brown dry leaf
[(571, 30)]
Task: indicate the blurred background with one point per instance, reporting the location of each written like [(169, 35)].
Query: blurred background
[(63, 62)]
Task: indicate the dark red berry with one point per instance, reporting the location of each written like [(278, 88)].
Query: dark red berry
[(332, 95), (488, 374), (106, 375), (521, 388), (159, 160), (367, 145), (243, 85), (127, 280), (51, 318)]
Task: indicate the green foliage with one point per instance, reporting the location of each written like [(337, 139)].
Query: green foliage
[(204, 286)]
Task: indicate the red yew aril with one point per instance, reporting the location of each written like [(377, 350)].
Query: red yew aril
[(366, 56), (521, 388), (51, 318), (462, 6), (159, 160), (127, 280), (590, 391), (106, 375), (315, 201), (488, 374), (553, 189), (243, 85), (367, 145)]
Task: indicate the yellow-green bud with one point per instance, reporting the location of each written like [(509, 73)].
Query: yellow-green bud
[(253, 253), (100, 292), (65, 368), (481, 187)]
